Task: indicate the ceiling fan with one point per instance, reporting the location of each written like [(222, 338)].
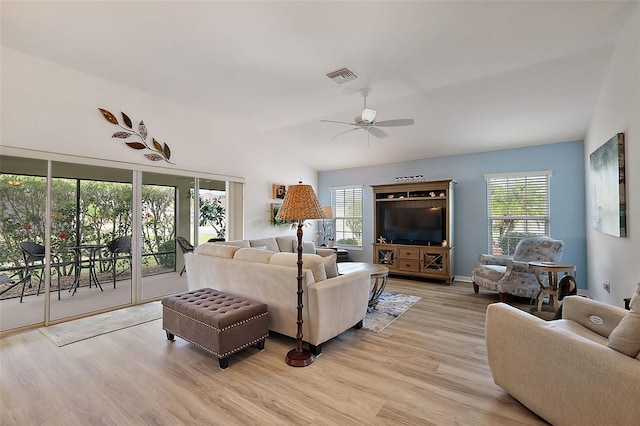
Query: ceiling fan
[(367, 121)]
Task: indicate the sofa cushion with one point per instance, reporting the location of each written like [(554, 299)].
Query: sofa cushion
[(270, 243), (237, 243), (218, 250), (330, 265), (625, 337), (308, 247), (309, 261), (284, 243), (253, 255)]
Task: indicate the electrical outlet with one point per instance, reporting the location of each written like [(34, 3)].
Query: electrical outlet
[(607, 286)]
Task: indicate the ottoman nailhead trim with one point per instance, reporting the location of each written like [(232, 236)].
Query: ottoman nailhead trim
[(224, 355), (216, 328)]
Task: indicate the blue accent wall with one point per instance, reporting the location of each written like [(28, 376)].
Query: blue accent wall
[(567, 192)]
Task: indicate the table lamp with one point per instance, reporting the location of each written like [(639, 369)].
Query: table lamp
[(326, 229), (300, 203)]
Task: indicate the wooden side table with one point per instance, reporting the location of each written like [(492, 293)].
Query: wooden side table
[(552, 269), (343, 254)]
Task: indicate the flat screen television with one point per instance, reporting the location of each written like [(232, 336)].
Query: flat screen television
[(414, 225)]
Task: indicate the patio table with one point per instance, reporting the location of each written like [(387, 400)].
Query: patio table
[(89, 263)]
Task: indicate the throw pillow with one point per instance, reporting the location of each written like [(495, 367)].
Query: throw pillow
[(625, 337), (331, 265)]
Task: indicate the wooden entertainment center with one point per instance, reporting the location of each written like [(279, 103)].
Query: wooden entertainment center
[(414, 228)]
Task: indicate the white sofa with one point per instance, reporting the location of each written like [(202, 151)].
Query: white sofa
[(332, 304), (571, 371)]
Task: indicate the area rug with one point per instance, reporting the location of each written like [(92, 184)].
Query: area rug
[(86, 328), (390, 306)]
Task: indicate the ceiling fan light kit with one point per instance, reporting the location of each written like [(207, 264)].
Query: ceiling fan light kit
[(368, 115)]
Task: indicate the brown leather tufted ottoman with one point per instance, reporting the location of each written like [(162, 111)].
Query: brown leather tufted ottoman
[(218, 322)]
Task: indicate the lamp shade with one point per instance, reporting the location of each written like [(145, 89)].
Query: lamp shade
[(300, 203), (328, 212)]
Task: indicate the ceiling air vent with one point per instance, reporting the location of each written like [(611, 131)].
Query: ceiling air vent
[(342, 75)]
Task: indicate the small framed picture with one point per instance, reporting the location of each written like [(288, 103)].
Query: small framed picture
[(279, 191)]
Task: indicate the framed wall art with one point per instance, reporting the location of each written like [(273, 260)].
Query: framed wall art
[(279, 191), (606, 168), (273, 212)]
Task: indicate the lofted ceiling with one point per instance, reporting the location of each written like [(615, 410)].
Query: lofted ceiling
[(475, 76)]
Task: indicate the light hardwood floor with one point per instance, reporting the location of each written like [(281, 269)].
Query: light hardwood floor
[(427, 368)]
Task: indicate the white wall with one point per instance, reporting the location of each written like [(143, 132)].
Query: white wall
[(47, 107), (618, 110)]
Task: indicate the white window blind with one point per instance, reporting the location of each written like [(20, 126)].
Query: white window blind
[(518, 207), (346, 202)]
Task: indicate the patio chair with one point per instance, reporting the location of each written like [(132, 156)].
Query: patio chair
[(34, 253), (120, 249), (186, 247), (10, 280)]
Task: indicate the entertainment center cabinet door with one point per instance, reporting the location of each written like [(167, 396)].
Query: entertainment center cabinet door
[(385, 255)]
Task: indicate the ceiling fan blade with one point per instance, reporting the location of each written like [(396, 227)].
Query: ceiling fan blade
[(346, 131), (377, 132), (340, 122), (395, 123)]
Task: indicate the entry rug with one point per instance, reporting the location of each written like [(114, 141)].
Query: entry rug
[(86, 328), (390, 306)]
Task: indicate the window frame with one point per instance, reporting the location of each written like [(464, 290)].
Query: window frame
[(540, 213), (356, 191)]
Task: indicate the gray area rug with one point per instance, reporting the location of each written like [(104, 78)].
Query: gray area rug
[(390, 306), (86, 328)]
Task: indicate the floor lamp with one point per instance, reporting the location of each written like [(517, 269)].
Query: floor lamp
[(300, 203)]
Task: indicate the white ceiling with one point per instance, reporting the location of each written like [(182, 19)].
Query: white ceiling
[(475, 76)]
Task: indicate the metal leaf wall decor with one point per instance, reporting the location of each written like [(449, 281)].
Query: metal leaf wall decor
[(161, 151)]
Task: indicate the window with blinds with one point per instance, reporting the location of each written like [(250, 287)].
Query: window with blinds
[(518, 207), (346, 202)]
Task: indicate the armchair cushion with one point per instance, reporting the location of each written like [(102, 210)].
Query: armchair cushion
[(490, 259)]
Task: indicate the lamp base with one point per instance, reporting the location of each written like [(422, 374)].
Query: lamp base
[(299, 359)]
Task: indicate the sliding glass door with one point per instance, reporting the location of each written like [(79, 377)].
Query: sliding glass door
[(80, 239), (23, 190), (165, 202), (91, 229)]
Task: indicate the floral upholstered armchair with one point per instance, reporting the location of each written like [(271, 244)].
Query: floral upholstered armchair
[(512, 275)]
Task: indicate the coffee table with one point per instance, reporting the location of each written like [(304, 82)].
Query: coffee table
[(379, 275)]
